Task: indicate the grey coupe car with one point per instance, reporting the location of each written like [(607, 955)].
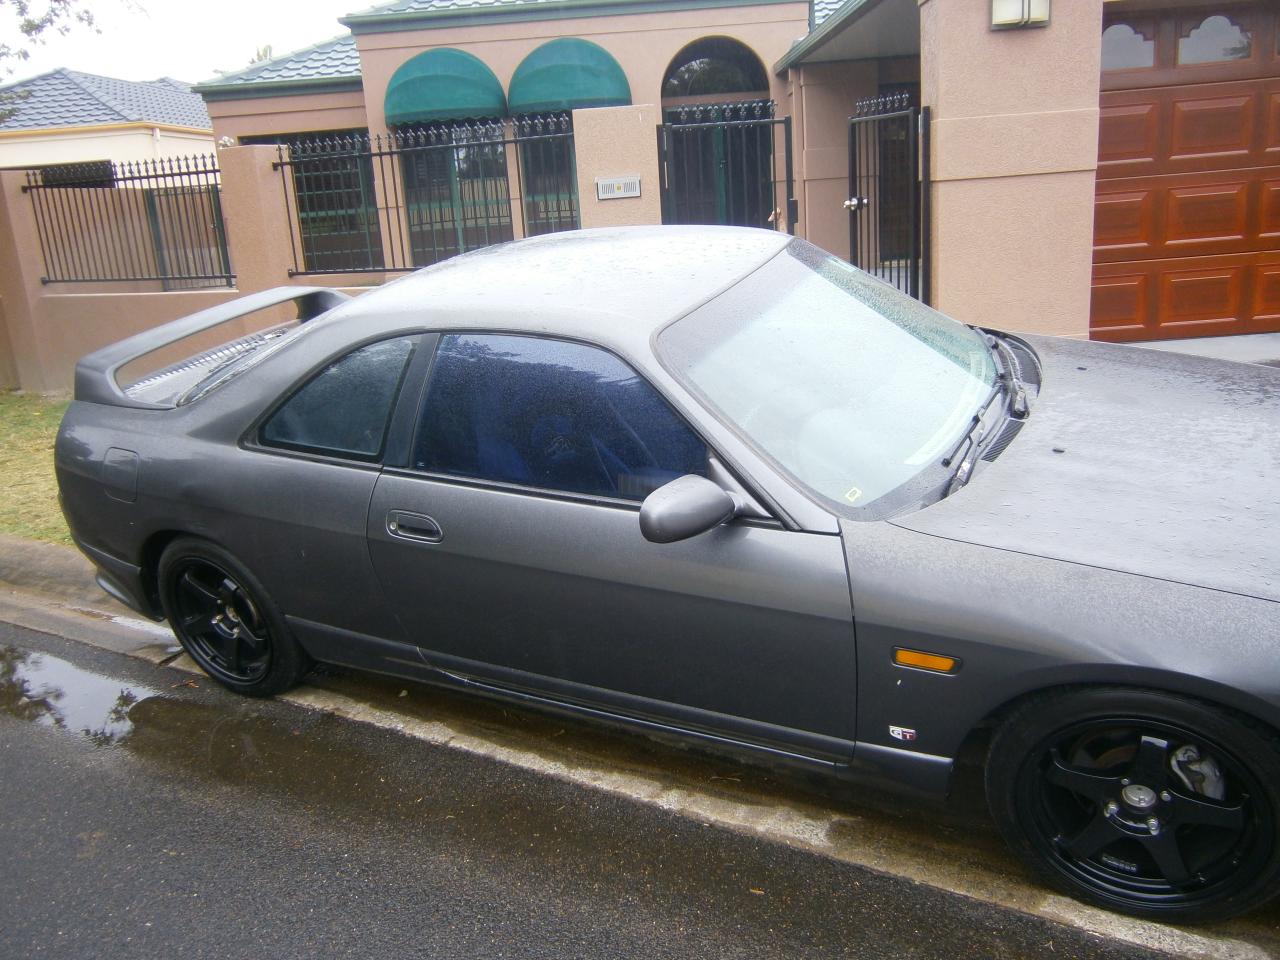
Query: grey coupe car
[(717, 483)]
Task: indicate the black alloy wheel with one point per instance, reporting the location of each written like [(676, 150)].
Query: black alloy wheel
[(224, 621), (225, 630), (1146, 803)]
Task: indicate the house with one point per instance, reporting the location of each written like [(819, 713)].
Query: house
[(66, 116), (1087, 168), (1096, 168)]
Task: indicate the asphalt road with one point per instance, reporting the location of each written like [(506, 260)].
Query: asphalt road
[(149, 815)]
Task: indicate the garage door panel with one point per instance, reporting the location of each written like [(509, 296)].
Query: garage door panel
[(1266, 312), (1272, 142), (1183, 215), (1121, 305), (1208, 214), (1202, 297), (1269, 210), (1218, 126), (1189, 297), (1217, 130), (1127, 133), (1123, 223)]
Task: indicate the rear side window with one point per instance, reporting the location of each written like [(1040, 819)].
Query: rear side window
[(550, 414), (344, 409)]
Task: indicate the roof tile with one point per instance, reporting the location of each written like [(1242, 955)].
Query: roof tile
[(334, 59), (823, 9), (68, 98), (432, 6)]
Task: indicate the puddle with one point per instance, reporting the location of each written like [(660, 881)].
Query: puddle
[(45, 690), (572, 841)]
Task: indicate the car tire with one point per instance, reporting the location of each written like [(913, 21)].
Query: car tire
[(226, 621), (1151, 804)]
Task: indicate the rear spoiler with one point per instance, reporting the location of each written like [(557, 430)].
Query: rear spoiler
[(96, 373)]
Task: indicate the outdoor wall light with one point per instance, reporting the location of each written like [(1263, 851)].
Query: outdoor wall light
[(1010, 14)]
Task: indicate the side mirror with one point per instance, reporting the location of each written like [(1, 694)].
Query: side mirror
[(684, 508)]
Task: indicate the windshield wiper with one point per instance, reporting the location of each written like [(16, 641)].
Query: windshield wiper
[(975, 432), (1012, 369), (1008, 383)]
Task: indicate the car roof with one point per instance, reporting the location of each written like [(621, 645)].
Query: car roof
[(615, 286)]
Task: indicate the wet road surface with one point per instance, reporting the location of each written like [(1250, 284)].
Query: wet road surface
[(149, 814)]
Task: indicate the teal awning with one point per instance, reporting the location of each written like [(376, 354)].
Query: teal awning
[(443, 84), (568, 73)]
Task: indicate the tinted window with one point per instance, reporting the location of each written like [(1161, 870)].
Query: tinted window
[(550, 414), (344, 409)]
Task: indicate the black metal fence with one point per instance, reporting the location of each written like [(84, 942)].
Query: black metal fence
[(417, 196), (888, 192), (148, 220), (727, 163)]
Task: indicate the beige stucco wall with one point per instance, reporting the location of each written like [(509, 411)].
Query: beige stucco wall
[(296, 114), (617, 142), (643, 44), (1015, 129), (123, 143), (823, 95)]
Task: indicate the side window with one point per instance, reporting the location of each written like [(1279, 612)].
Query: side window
[(550, 414), (344, 409)]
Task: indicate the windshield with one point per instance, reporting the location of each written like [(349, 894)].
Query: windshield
[(853, 388)]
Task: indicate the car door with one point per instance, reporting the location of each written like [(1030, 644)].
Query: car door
[(510, 548)]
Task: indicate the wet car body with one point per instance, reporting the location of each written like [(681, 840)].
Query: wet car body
[(1124, 536)]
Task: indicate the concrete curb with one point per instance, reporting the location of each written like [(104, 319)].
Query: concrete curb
[(59, 572)]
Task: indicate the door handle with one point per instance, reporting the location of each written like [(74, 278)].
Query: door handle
[(857, 203), (413, 526)]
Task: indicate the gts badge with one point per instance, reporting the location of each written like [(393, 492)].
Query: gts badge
[(902, 733)]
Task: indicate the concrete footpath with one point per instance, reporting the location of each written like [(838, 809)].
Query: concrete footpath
[(1261, 348), (952, 848)]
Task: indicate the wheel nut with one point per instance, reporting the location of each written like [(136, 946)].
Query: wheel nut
[(1111, 808), (1153, 825), (1125, 782), (1166, 796)]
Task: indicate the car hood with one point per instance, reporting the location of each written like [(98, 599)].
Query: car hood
[(1135, 460)]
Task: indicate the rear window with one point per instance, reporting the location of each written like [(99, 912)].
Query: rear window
[(344, 409), (192, 378)]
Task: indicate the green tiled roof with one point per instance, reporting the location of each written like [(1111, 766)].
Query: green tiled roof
[(402, 14), (333, 64)]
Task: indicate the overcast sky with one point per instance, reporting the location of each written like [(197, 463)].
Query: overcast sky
[(146, 39)]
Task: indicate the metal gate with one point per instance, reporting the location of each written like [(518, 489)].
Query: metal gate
[(720, 164), (888, 192)]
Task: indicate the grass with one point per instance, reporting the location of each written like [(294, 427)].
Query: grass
[(29, 506)]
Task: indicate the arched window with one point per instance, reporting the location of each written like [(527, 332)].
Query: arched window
[(1128, 46), (1215, 39), (715, 66)]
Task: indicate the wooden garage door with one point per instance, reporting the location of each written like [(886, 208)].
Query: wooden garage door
[(1187, 215)]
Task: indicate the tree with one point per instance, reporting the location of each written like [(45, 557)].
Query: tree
[(35, 22)]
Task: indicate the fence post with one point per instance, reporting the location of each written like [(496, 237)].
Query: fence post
[(618, 142), (20, 287), (257, 223)]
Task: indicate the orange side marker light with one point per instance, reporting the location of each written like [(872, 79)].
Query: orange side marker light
[(935, 662)]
